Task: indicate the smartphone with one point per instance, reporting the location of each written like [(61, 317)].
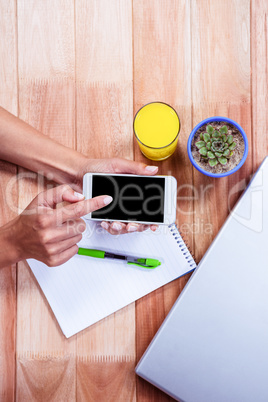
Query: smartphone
[(140, 199)]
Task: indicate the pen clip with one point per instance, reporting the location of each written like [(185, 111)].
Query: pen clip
[(142, 265)]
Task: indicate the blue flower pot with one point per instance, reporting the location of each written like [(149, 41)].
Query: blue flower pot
[(210, 120)]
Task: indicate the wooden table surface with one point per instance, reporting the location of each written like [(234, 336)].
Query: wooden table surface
[(78, 70)]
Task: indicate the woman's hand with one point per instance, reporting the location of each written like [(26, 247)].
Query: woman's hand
[(112, 165), (47, 233), (61, 164), (116, 165)]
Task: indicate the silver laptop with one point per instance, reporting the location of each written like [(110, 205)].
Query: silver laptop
[(213, 345)]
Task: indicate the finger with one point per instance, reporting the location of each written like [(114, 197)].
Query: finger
[(68, 229), (60, 246), (82, 208), (105, 225), (50, 198), (136, 227), (126, 166), (118, 227), (142, 228), (64, 256), (154, 227), (114, 228), (132, 227), (72, 196)]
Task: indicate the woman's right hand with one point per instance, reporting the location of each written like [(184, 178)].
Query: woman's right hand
[(50, 234)]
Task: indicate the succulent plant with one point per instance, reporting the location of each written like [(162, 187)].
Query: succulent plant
[(215, 145)]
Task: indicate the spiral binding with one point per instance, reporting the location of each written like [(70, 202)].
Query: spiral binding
[(183, 246)]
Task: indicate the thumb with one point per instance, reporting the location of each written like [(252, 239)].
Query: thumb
[(121, 165), (72, 196), (78, 209), (50, 198)]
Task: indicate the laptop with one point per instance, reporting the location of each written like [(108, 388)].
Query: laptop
[(213, 345)]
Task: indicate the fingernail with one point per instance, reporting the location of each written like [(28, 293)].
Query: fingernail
[(132, 228), (79, 195), (116, 226), (107, 200), (105, 225), (151, 168)]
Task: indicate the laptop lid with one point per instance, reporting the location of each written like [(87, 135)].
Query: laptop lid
[(213, 345)]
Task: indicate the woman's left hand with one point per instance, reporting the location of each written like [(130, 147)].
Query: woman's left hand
[(117, 165)]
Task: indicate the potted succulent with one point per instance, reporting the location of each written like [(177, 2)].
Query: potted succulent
[(217, 146)]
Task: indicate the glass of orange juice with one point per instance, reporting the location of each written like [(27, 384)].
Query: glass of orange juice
[(157, 127)]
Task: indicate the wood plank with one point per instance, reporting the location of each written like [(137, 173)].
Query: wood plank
[(162, 60), (106, 359), (106, 350), (220, 86), (8, 202), (46, 363), (259, 49), (162, 72), (7, 294)]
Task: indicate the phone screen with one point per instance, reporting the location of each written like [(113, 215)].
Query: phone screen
[(134, 198)]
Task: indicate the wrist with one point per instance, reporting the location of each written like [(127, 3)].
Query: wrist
[(9, 249), (65, 168), (68, 170), (81, 165), (76, 171)]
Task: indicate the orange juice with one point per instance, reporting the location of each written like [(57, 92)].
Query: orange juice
[(156, 127)]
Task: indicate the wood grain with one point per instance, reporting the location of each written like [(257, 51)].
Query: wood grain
[(220, 87), (259, 49), (105, 351), (162, 72), (106, 379), (7, 295), (85, 67), (46, 360), (8, 204)]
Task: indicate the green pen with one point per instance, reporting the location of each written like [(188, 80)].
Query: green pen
[(140, 262)]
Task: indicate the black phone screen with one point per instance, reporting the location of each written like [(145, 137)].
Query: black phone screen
[(134, 198)]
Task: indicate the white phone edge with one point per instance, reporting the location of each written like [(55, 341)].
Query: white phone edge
[(170, 204)]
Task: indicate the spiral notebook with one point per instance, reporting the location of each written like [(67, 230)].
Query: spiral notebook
[(84, 290), (213, 345)]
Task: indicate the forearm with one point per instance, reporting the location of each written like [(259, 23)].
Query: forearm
[(9, 253), (25, 146)]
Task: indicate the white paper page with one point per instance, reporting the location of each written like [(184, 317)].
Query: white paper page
[(84, 290)]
